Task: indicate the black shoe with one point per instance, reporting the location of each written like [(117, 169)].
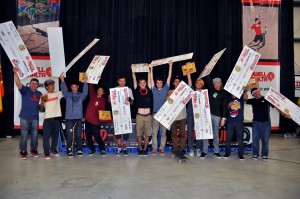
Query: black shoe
[(217, 155), (226, 156), (125, 152), (145, 153), (241, 157), (102, 152), (91, 152), (79, 153), (119, 151), (255, 157), (70, 153), (141, 153), (203, 155)]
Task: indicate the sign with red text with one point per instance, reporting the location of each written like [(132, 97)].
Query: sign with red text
[(96, 68)]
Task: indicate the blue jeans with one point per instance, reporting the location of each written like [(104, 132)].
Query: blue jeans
[(215, 120), (238, 128), (190, 126), (77, 124), (261, 131), (50, 128), (26, 126)]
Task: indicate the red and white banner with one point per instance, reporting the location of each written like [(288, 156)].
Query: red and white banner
[(96, 68)]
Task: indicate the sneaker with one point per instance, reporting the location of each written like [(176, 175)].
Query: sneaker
[(203, 155), (70, 153), (153, 153), (23, 155), (55, 153), (145, 153), (47, 156), (125, 152), (161, 152), (91, 152), (103, 152), (241, 157), (265, 158), (191, 153), (141, 152), (119, 151), (79, 153), (198, 152), (217, 155), (255, 157), (34, 153), (174, 154), (226, 156)]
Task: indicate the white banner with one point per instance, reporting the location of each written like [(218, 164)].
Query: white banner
[(44, 73), (202, 117), (96, 68), (268, 75), (56, 50), (172, 59), (87, 48), (283, 104), (174, 105), (120, 110), (242, 72), (16, 50), (140, 68), (211, 64)]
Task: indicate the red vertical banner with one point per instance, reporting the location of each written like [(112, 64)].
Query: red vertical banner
[(1, 87), (261, 33)]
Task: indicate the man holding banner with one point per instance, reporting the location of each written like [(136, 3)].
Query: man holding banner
[(144, 103), (29, 115)]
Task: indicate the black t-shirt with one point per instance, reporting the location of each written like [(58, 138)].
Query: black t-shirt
[(260, 109), (218, 102), (143, 98)]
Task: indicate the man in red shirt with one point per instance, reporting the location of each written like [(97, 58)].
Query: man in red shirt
[(259, 39)]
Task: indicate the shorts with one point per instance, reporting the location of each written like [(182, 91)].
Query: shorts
[(143, 125)]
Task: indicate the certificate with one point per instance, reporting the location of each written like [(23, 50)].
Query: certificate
[(140, 68), (172, 59), (96, 68)]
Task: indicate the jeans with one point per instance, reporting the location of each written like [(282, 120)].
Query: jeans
[(50, 128), (215, 120), (190, 126), (26, 126), (180, 124), (77, 124), (238, 128), (93, 130), (155, 127), (261, 131)]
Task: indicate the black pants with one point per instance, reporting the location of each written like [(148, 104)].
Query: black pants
[(238, 128), (93, 130)]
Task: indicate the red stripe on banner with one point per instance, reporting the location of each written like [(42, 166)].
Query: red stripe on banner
[(268, 63), (41, 57), (267, 2)]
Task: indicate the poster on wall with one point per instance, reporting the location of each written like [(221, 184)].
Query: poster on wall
[(34, 16), (260, 27), (44, 73)]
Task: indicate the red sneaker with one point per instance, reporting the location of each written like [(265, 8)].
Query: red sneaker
[(153, 153), (34, 153), (23, 155), (161, 152), (55, 153), (47, 156)]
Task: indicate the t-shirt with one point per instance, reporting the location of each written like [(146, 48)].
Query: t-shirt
[(236, 114), (52, 105), (30, 103), (130, 92), (260, 109), (257, 28), (218, 102), (143, 98), (159, 97)]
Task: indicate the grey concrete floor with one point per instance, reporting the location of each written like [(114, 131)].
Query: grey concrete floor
[(150, 177)]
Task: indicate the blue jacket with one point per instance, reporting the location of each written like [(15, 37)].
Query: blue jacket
[(74, 102)]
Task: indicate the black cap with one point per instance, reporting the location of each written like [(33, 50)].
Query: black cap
[(253, 90), (48, 82)]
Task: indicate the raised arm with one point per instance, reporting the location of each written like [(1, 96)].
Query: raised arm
[(63, 85), (134, 80), (151, 85), (85, 86), (189, 80), (169, 74), (149, 79), (17, 79)]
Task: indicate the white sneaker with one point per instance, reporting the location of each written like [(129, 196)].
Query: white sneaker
[(198, 152), (191, 153)]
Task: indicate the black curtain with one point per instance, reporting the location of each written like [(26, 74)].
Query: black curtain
[(139, 31)]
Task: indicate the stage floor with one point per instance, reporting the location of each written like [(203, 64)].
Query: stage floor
[(151, 177)]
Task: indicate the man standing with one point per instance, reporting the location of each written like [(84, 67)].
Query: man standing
[(74, 113), (144, 102), (160, 94), (29, 115), (51, 102)]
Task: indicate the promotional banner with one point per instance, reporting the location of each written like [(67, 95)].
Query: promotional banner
[(120, 109), (1, 87), (297, 86), (211, 64), (44, 73), (96, 68), (140, 68), (202, 117), (283, 104), (242, 71), (56, 49), (15, 49), (174, 105), (268, 75), (34, 16), (172, 59)]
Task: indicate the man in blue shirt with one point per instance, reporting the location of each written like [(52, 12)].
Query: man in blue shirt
[(29, 115)]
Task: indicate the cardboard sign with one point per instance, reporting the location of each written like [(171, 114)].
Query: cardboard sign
[(140, 68), (188, 68), (253, 83), (104, 115), (172, 59)]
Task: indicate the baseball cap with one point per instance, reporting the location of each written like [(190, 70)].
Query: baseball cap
[(48, 82), (253, 90), (217, 80)]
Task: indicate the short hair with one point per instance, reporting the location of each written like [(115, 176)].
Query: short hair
[(74, 82), (121, 77), (142, 79), (256, 19)]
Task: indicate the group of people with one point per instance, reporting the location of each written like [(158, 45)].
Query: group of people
[(148, 96)]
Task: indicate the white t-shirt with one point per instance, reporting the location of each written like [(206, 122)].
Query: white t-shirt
[(52, 105)]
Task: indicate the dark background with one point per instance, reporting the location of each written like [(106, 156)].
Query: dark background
[(139, 31)]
